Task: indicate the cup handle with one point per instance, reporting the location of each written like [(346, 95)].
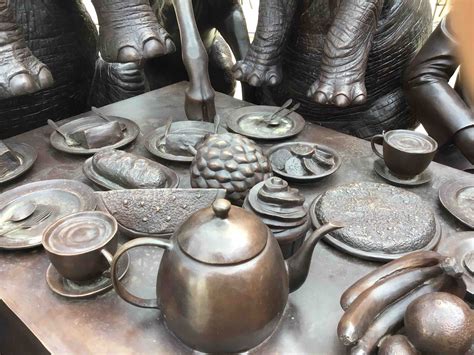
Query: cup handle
[(119, 288), (373, 140)]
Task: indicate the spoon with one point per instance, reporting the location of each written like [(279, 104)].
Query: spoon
[(69, 140), (21, 211), (284, 106), (277, 120)]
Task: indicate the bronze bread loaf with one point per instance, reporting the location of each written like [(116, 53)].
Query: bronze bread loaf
[(129, 170)]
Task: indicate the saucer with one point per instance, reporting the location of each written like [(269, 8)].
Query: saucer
[(282, 153), (154, 141), (27, 156), (65, 196), (70, 289), (249, 121), (57, 141), (382, 170)]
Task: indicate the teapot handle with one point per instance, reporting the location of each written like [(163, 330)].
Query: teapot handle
[(119, 288)]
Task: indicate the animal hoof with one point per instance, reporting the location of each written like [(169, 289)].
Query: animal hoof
[(22, 84)]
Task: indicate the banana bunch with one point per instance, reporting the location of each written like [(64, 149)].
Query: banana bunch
[(375, 305)]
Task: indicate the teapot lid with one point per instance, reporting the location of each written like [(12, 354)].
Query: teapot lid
[(222, 234)]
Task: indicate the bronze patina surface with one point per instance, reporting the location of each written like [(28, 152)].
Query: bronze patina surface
[(108, 325)]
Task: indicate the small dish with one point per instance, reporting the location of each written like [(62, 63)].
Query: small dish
[(458, 198), (249, 121), (85, 289), (287, 155), (156, 145), (27, 156), (382, 170), (378, 225), (63, 196), (130, 133), (172, 179)]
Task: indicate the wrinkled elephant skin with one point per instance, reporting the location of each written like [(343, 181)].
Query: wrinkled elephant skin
[(343, 60)]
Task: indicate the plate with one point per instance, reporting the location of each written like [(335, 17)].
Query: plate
[(69, 289), (307, 178), (374, 208), (457, 196), (172, 179), (155, 145), (27, 155), (382, 170), (461, 247), (57, 141), (64, 196), (248, 121)]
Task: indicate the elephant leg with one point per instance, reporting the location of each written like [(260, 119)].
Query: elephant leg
[(346, 52), (199, 97), (21, 72), (115, 82), (129, 31), (262, 64), (233, 29)]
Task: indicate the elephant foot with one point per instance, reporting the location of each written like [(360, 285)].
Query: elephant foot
[(21, 72), (339, 90), (115, 82), (257, 70), (129, 31)]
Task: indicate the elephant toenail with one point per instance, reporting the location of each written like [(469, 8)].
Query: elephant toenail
[(152, 48), (341, 100), (170, 47), (45, 78), (128, 54), (273, 80), (22, 84), (320, 97), (254, 80), (238, 74), (359, 100)]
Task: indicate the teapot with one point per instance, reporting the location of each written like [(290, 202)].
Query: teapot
[(223, 284)]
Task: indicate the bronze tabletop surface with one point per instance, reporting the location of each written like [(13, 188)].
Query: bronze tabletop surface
[(106, 324)]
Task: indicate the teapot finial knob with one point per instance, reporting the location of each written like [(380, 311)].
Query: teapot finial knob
[(221, 208)]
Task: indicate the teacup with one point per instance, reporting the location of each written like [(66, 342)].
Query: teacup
[(81, 245), (406, 153)]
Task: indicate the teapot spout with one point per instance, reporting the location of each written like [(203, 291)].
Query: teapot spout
[(298, 265)]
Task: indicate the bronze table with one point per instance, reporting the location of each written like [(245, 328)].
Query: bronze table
[(107, 324)]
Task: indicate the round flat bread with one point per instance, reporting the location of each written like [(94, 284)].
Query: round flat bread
[(377, 217)]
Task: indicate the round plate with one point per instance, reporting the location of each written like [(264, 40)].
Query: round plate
[(66, 288), (458, 198), (63, 196), (248, 121), (172, 179), (27, 155), (461, 247), (307, 178), (368, 255), (57, 141), (153, 140), (382, 170)]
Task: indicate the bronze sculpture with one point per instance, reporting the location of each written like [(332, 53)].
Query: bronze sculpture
[(223, 284), (65, 43), (446, 113), (337, 52)]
